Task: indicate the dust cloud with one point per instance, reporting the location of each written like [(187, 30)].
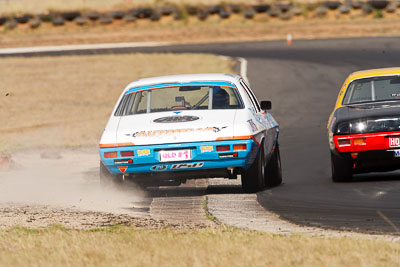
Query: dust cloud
[(65, 178)]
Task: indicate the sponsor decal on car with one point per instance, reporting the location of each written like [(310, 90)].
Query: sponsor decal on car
[(143, 152), (204, 149), (175, 119), (187, 165), (252, 125), (394, 141), (159, 168), (178, 166), (158, 133)]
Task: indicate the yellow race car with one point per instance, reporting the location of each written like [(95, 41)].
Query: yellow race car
[(364, 127)]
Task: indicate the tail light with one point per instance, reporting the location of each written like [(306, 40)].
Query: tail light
[(344, 142), (359, 141), (239, 147), (127, 153), (223, 148), (108, 155)]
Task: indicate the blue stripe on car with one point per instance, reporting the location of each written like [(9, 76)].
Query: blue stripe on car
[(163, 85)]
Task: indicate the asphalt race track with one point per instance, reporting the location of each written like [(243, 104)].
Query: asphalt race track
[(302, 81)]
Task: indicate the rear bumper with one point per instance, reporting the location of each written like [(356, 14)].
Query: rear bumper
[(370, 152), (365, 142), (373, 161), (205, 161)]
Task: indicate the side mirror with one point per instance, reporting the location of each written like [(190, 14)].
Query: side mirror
[(266, 105)]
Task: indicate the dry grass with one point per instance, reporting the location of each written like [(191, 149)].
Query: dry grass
[(38, 6), (121, 246), (66, 101)]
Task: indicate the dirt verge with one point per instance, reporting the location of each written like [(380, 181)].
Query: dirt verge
[(194, 31)]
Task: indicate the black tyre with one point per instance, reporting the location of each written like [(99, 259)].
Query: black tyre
[(378, 4), (3, 20), (273, 173), (332, 4), (145, 13), (224, 14), (261, 8), (116, 14), (23, 19), (70, 16), (58, 21), (93, 15), (356, 4), (253, 178), (35, 23), (191, 10), (274, 12), (107, 179), (202, 15), (81, 21), (177, 15), (167, 10), (156, 16), (342, 169), (248, 13), (321, 11), (105, 20), (11, 24), (344, 9)]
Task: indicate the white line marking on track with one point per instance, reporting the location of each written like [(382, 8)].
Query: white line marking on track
[(36, 49)]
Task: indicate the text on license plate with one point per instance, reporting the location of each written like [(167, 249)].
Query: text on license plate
[(396, 153), (175, 155), (394, 141)]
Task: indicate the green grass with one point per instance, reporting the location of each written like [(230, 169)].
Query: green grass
[(208, 214)]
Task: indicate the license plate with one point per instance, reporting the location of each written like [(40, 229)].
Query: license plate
[(394, 141), (175, 155), (396, 153)]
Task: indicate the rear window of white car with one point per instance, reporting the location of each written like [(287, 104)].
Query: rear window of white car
[(172, 97)]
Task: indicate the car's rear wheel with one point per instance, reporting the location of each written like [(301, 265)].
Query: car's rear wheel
[(108, 179), (273, 172), (342, 169), (253, 178)]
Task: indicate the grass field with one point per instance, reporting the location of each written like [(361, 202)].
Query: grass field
[(66, 101), (123, 246)]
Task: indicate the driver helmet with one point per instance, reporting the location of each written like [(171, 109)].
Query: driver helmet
[(220, 98)]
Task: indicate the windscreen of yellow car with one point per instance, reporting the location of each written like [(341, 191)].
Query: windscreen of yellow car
[(375, 89)]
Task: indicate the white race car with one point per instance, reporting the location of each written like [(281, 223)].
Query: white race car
[(191, 126)]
